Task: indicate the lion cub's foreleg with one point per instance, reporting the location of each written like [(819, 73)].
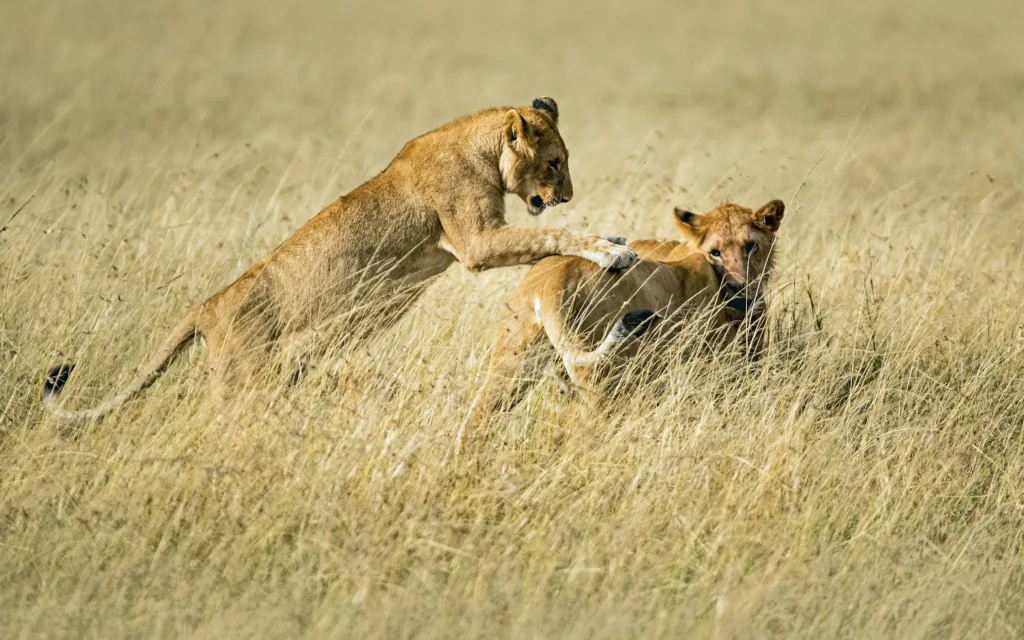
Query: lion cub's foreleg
[(509, 246)]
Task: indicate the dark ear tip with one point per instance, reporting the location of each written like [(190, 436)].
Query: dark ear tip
[(546, 104), (778, 205), (684, 216)]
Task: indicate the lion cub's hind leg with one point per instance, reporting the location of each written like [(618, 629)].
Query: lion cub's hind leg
[(237, 374), (245, 365), (517, 362)]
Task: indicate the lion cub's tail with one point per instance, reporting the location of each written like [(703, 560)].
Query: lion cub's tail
[(180, 336), (630, 326)]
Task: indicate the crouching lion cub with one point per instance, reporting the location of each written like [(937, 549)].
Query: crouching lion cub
[(356, 266), (712, 281)]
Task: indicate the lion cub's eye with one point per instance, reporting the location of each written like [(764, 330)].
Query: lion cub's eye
[(554, 164), (750, 247), (715, 253)]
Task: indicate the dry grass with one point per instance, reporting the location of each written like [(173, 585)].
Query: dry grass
[(867, 480)]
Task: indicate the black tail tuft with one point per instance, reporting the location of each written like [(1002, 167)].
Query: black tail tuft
[(636, 323), (56, 379)]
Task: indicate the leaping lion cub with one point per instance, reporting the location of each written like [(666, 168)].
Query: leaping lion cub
[(358, 264), (716, 273)]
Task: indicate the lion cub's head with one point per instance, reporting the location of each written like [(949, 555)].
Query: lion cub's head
[(737, 241), (534, 161)]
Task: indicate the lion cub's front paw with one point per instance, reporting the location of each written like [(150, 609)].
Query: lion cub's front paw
[(615, 257)]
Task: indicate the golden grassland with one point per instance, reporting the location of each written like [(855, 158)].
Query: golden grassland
[(866, 479)]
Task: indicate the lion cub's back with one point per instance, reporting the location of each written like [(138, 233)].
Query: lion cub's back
[(592, 291)]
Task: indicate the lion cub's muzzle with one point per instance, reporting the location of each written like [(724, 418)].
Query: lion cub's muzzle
[(550, 196), (742, 299)]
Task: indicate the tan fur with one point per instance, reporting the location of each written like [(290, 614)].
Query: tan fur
[(358, 264), (575, 307)]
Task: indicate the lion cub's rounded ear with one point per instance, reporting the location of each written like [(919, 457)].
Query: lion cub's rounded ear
[(687, 221), (547, 104), (519, 134), (770, 215)]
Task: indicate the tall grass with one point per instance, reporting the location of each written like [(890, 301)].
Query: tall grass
[(864, 480)]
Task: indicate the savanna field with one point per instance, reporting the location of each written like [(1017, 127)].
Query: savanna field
[(866, 479)]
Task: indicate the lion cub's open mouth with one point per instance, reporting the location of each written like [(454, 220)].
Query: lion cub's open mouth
[(739, 303), (536, 205)]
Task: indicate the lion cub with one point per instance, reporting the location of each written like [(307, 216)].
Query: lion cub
[(712, 281), (357, 266)]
